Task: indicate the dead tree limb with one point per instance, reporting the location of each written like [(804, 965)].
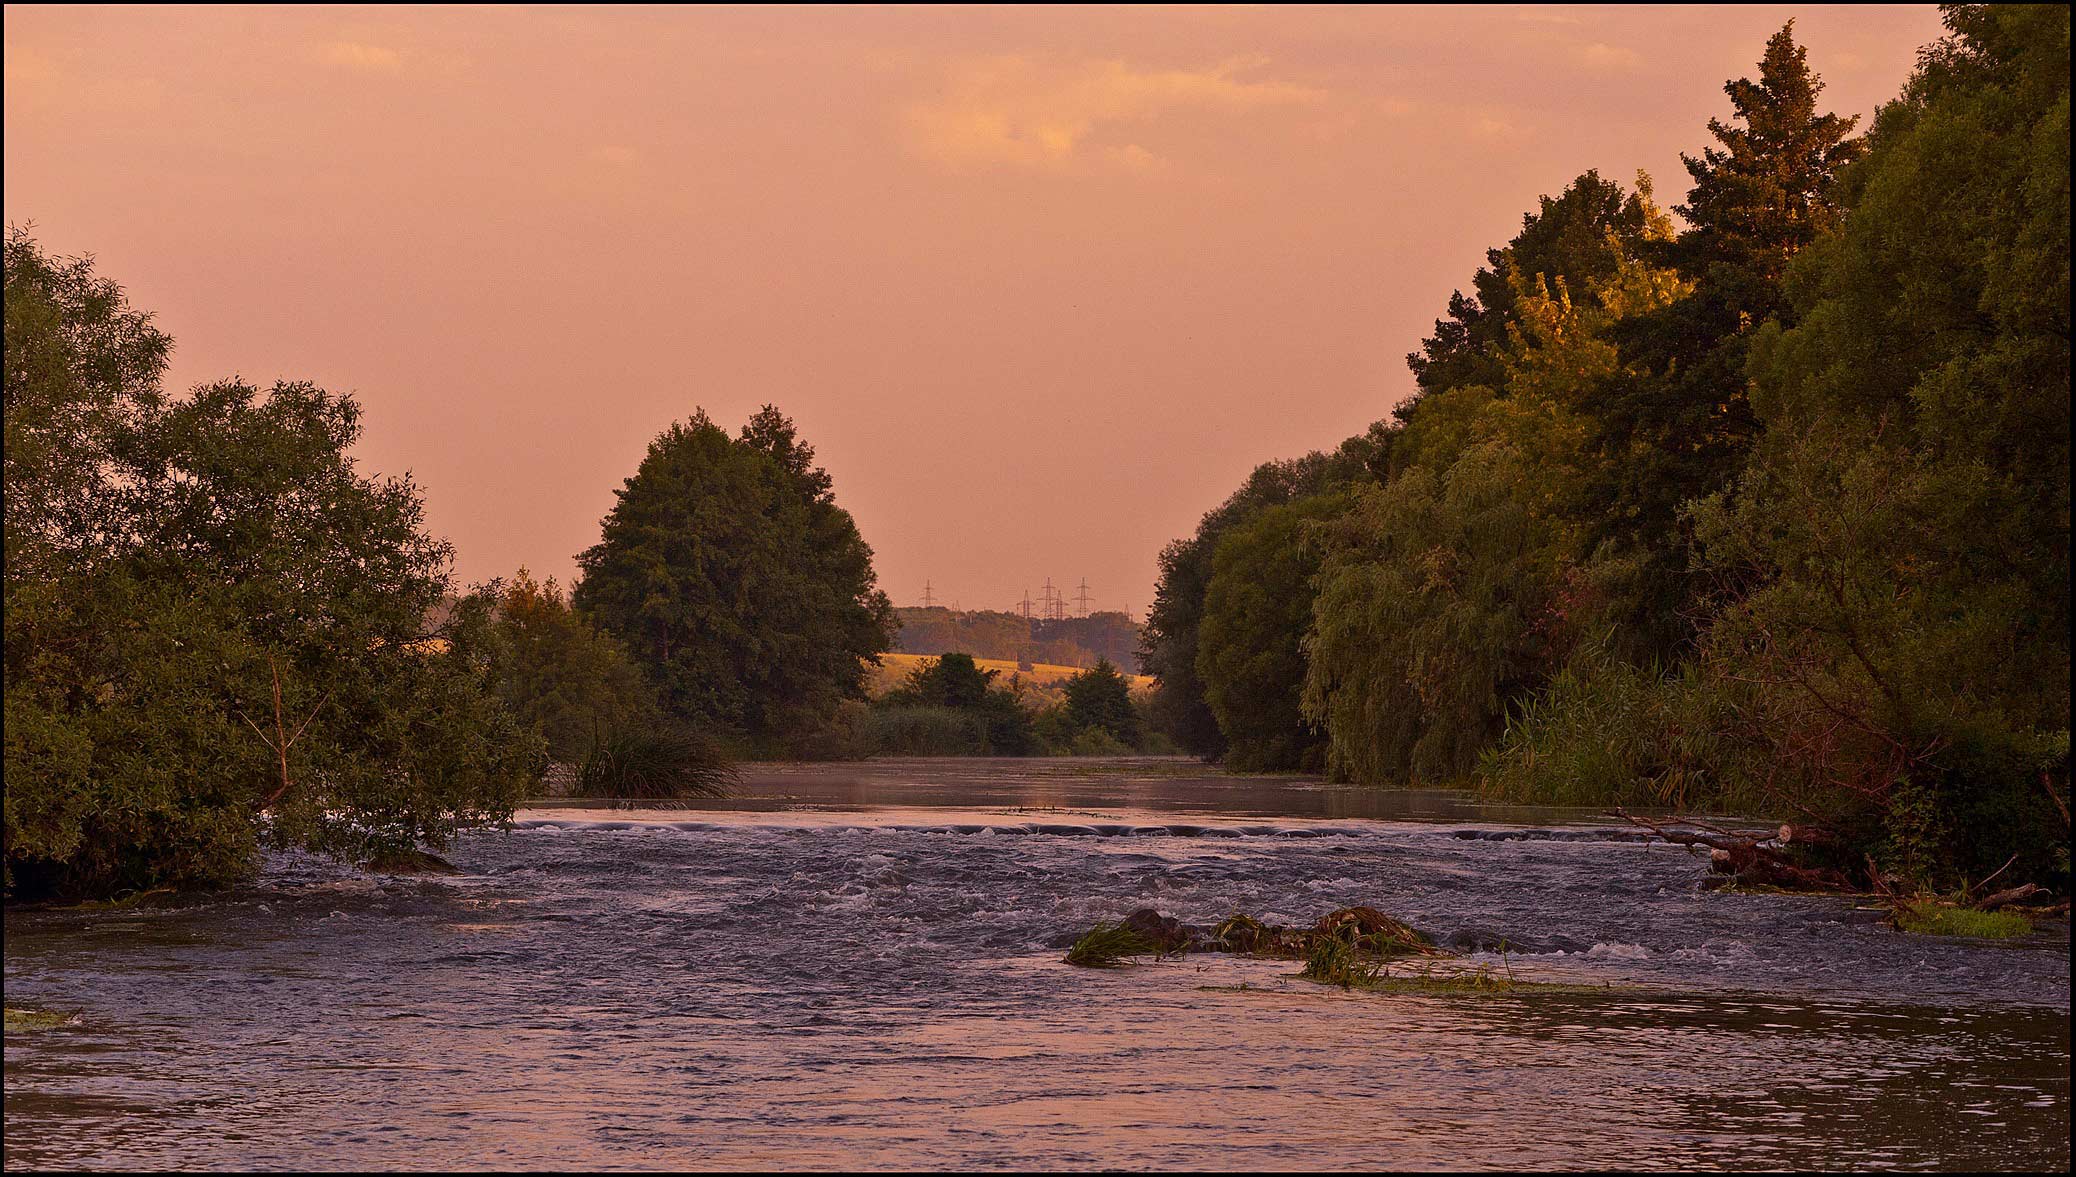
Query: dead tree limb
[(1745, 857)]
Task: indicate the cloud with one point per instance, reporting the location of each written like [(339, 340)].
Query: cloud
[(1020, 112), (355, 55), (1599, 55)]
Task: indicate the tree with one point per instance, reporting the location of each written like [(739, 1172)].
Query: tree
[(732, 576), (1577, 235), (953, 681), (82, 367), (1250, 654), (1675, 422), (1169, 637), (1100, 698), (1451, 592), (227, 645), (558, 673), (1896, 557)]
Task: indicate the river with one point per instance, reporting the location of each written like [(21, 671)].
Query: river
[(860, 966)]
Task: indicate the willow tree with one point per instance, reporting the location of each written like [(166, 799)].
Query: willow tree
[(1452, 591)]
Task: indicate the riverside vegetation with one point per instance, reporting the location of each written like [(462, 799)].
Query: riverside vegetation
[(1766, 512)]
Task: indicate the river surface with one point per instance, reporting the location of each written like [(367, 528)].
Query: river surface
[(860, 966)]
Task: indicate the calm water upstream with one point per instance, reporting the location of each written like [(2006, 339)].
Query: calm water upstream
[(860, 966)]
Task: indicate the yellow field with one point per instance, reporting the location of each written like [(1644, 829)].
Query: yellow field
[(1041, 683)]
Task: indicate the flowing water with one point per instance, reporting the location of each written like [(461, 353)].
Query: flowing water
[(860, 966)]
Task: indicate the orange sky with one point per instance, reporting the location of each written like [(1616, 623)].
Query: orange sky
[(1041, 285)]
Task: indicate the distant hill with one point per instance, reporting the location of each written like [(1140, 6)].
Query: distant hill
[(1009, 637)]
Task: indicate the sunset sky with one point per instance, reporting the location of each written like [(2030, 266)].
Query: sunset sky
[(1040, 285)]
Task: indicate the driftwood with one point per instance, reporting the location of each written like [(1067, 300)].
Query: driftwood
[(1753, 857)]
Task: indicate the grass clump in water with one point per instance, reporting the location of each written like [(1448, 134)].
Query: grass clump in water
[(25, 1020), (1109, 945), (665, 764), (1335, 961), (1932, 919)]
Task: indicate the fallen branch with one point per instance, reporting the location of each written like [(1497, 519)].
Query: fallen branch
[(2008, 896), (1746, 857)]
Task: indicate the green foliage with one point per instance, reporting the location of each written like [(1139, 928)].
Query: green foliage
[(1770, 513), (1249, 654), (1450, 592), (1607, 732), (1335, 961), (218, 638), (1096, 741), (1099, 698), (732, 576), (1170, 634), (846, 735), (1897, 552), (558, 673), (655, 764), (1935, 919), (1109, 945), (1579, 235), (928, 731), (953, 682)]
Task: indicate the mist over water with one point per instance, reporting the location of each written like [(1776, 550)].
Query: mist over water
[(861, 966)]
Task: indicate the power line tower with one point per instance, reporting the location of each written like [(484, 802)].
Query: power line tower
[(1081, 599), (929, 596), (1025, 606)]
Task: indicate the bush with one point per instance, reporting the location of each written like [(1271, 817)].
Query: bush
[(1095, 741), (660, 764), (928, 731), (849, 735), (1608, 733)]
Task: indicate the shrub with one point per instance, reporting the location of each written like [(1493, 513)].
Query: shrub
[(928, 731), (660, 764)]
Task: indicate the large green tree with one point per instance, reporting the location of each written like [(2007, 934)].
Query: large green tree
[(1577, 235), (1452, 591), (1099, 698), (1250, 656), (224, 644), (1675, 420), (1169, 637), (732, 575), (1898, 551)]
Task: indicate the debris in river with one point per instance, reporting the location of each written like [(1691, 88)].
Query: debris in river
[(1147, 932), (1164, 932), (1370, 930), (1762, 858)]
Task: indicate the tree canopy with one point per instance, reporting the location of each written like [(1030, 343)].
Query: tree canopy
[(735, 580), (216, 637)]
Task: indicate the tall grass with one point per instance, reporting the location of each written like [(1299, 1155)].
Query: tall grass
[(929, 731), (1608, 733), (1107, 945), (661, 764)]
